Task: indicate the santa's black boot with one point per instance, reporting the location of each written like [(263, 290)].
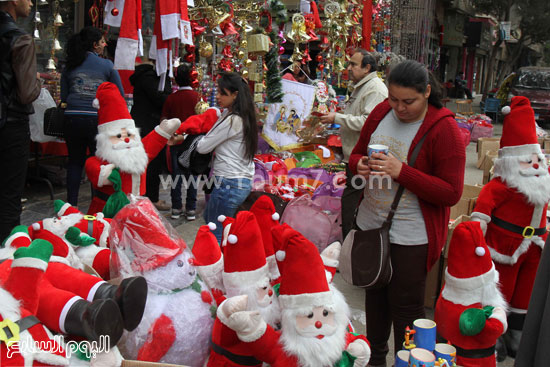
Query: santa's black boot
[(130, 296), (91, 320), (512, 337), (500, 349)]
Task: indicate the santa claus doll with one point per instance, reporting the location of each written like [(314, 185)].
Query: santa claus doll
[(208, 260), (471, 312), (245, 271), (512, 211), (120, 147), (70, 301), (315, 316)]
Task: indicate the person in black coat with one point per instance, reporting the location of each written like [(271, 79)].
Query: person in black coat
[(535, 341), (146, 112)]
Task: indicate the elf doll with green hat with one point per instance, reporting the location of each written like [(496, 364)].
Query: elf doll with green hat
[(471, 312)]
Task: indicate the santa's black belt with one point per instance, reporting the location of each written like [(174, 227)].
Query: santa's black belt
[(103, 196), (471, 353), (23, 324), (526, 232), (235, 358)]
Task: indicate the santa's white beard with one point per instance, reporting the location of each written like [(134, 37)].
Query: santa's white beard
[(310, 351), (533, 183), (59, 226), (128, 157), (270, 313)]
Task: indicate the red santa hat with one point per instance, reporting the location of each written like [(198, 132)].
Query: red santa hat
[(226, 223), (303, 283), (470, 269), (267, 218), (278, 238), (206, 250), (200, 124), (245, 266), (112, 114), (519, 135), (142, 239)]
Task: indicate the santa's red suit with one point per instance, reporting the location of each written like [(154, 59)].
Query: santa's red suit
[(510, 250), (35, 345), (131, 183), (471, 282)]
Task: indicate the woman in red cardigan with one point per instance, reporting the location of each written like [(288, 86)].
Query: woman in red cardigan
[(419, 227)]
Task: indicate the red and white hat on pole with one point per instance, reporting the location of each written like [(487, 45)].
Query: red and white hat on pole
[(245, 266), (303, 283), (112, 114), (267, 218), (519, 136), (226, 223)]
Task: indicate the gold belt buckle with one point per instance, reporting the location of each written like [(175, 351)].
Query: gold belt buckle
[(531, 232), (13, 329), (90, 217)]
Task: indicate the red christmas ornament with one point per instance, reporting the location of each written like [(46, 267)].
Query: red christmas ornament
[(281, 50), (321, 67), (190, 58), (190, 48), (194, 74), (319, 58), (114, 12), (195, 84)]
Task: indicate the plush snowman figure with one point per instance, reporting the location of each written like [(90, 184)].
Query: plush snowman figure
[(179, 314)]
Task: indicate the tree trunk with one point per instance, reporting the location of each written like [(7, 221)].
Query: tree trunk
[(489, 70)]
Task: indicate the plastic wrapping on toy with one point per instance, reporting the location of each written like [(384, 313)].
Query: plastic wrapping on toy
[(180, 309)]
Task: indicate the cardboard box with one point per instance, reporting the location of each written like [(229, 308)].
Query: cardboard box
[(132, 363), (546, 145), (487, 166), (485, 145), (467, 202), (435, 278)]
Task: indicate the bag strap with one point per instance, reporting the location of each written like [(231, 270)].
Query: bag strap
[(401, 187)]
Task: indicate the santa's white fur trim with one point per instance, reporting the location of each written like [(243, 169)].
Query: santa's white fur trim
[(480, 251), (36, 226), (511, 260), (15, 236), (9, 307), (71, 260), (212, 274), (50, 358), (218, 112), (246, 279), (481, 216), (65, 311), (7, 252), (256, 334), (506, 110), (63, 209), (113, 128), (225, 233), (500, 317), (468, 291), (106, 229), (232, 239), (280, 255), (215, 268), (91, 293), (161, 132), (221, 218), (306, 300), (30, 262), (212, 226), (519, 150), (275, 216), (330, 262), (520, 311)]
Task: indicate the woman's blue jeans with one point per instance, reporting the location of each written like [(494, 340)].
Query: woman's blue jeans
[(227, 195)]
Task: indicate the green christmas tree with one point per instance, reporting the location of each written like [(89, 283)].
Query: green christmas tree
[(273, 76)]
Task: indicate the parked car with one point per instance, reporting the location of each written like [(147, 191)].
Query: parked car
[(534, 83)]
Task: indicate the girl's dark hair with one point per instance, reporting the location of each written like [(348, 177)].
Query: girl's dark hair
[(183, 77), (412, 74), (79, 44), (242, 106)]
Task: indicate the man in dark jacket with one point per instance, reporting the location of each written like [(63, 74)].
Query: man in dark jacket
[(146, 111), (20, 85)]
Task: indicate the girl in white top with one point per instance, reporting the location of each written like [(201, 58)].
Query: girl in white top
[(234, 140)]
